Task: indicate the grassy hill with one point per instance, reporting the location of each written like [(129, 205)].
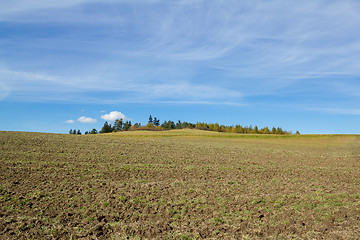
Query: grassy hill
[(175, 184)]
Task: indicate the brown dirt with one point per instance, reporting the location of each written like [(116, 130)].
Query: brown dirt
[(183, 185)]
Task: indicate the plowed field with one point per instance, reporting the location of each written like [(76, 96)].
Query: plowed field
[(180, 184)]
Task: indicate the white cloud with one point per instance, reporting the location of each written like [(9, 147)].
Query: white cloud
[(86, 120), (112, 116), (70, 121)]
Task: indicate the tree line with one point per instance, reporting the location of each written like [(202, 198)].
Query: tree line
[(78, 132), (154, 125)]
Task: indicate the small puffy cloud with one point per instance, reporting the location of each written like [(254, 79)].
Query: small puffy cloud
[(112, 116), (86, 120), (70, 121)]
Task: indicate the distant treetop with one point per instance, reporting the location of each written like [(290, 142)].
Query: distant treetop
[(154, 125)]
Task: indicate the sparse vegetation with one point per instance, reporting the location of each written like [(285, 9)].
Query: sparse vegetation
[(179, 184)]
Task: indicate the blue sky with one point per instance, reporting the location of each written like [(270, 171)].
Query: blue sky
[(294, 64)]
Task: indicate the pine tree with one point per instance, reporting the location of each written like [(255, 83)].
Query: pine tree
[(118, 125), (156, 122), (127, 125), (168, 125), (106, 128)]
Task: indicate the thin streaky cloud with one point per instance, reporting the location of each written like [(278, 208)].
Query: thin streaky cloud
[(183, 51), (235, 104), (181, 89), (21, 6), (337, 111)]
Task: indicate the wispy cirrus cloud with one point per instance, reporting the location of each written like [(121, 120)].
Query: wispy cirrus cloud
[(58, 88), (341, 111), (21, 6), (182, 51)]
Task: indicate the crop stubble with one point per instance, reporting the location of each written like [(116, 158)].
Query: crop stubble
[(179, 184)]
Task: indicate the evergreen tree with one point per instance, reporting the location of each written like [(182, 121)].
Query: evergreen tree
[(106, 128), (150, 119), (178, 125), (168, 125), (78, 132), (127, 125), (156, 122), (118, 125), (165, 125)]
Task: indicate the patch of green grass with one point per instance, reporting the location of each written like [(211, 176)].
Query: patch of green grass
[(219, 220)]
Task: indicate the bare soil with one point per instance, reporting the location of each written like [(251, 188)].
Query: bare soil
[(184, 184)]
